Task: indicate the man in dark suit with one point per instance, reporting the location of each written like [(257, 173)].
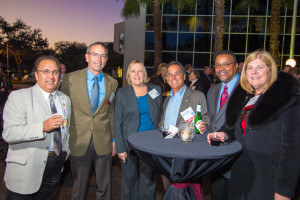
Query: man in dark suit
[(188, 69), (92, 127), (226, 68), (207, 78), (38, 139), (196, 84), (181, 98)]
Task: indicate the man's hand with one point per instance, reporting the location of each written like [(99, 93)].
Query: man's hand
[(280, 197), (217, 136), (123, 156), (53, 122), (114, 151), (203, 127)]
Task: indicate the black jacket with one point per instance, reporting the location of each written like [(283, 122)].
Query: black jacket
[(270, 160)]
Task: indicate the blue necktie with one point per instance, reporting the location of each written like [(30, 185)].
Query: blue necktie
[(56, 132), (95, 95)]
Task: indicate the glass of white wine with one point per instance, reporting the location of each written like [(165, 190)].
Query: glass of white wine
[(65, 124)]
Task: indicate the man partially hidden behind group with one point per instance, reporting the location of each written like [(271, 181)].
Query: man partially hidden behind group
[(38, 140), (92, 127)]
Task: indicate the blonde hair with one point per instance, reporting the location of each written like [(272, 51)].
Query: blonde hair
[(265, 57), (160, 67), (129, 68)]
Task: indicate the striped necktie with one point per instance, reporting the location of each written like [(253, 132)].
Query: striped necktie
[(224, 96), (56, 132)]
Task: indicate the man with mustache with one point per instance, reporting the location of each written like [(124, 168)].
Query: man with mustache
[(226, 68)]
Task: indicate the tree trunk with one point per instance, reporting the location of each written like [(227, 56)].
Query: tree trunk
[(219, 25), (275, 24), (157, 34)]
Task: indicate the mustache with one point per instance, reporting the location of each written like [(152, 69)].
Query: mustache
[(222, 71)]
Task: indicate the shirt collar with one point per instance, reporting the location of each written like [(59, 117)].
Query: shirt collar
[(180, 93), (90, 75), (46, 94)]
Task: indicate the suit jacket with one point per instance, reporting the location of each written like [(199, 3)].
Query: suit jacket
[(158, 80), (198, 86), (190, 99), (127, 114), (217, 119), (24, 114), (205, 82), (84, 124)]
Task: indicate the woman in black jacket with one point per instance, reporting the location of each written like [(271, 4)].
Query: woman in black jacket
[(263, 114)]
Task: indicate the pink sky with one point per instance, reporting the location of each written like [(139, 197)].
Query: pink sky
[(84, 21)]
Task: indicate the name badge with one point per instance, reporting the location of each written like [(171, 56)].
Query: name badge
[(188, 114), (153, 93), (111, 98)]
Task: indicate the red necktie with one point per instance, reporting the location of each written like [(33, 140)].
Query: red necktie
[(224, 96)]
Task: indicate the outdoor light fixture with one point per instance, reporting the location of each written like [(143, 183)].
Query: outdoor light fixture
[(291, 62)]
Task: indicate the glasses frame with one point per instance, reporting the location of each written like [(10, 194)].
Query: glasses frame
[(99, 55), (225, 65), (46, 72)]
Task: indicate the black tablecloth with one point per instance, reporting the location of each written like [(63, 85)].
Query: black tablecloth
[(181, 162)]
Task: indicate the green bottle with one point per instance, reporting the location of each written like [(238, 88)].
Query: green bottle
[(198, 119)]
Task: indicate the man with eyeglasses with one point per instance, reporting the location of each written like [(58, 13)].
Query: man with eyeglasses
[(181, 99), (37, 130), (92, 94), (226, 68)]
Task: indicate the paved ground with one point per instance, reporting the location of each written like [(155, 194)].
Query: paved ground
[(65, 187)]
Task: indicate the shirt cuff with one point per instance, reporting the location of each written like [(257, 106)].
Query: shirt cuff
[(113, 140)]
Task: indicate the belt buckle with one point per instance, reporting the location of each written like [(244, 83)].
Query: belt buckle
[(51, 153)]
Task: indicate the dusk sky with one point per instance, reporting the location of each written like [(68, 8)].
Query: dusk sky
[(84, 21)]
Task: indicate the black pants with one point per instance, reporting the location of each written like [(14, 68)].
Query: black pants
[(50, 181)]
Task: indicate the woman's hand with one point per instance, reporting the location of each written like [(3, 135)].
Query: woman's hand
[(123, 156), (280, 197), (217, 136)]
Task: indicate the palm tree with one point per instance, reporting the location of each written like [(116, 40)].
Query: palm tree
[(219, 25), (132, 9), (274, 24)]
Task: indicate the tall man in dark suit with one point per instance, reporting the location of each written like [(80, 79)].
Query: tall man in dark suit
[(226, 68), (180, 99), (38, 139), (92, 128)]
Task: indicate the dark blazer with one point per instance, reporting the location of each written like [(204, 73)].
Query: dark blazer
[(127, 114), (158, 80), (197, 86), (205, 81), (190, 99), (270, 160), (217, 119)]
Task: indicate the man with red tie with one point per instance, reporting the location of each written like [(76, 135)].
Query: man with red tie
[(226, 68)]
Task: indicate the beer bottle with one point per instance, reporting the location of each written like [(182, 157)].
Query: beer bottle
[(198, 119)]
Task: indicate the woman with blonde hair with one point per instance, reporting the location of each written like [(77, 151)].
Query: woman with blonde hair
[(160, 79), (263, 115), (138, 108)]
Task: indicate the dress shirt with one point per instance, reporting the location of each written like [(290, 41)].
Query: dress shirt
[(173, 107), (90, 82), (230, 87), (193, 82), (58, 108)]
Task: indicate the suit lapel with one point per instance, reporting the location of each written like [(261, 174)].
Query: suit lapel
[(184, 103), (150, 101), (39, 99), (82, 89)]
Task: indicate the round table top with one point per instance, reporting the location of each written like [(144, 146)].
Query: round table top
[(154, 143)]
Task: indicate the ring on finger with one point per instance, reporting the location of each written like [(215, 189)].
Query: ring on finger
[(53, 124)]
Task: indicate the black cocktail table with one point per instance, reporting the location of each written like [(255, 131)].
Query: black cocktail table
[(181, 162)]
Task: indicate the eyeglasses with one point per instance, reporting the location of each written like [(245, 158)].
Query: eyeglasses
[(98, 55), (47, 72), (226, 65)]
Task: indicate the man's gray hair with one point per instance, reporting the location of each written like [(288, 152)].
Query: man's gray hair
[(98, 43), (176, 63)]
